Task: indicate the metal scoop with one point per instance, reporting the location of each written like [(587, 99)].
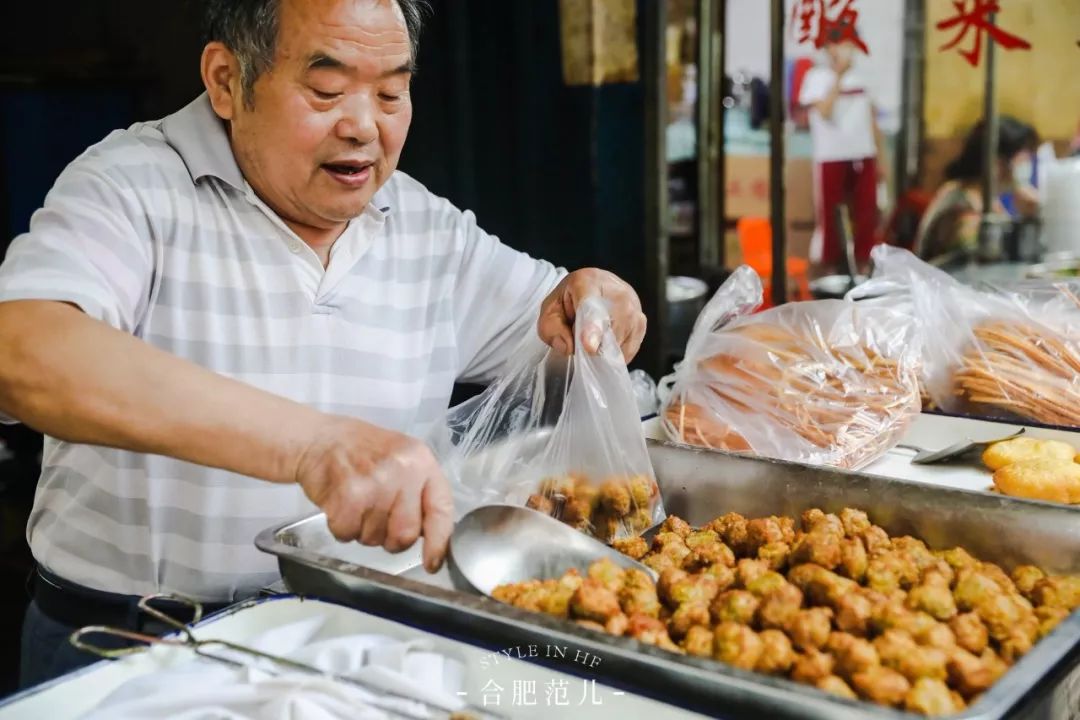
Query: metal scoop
[(926, 457), (499, 544)]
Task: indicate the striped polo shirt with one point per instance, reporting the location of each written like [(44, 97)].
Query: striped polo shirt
[(156, 232)]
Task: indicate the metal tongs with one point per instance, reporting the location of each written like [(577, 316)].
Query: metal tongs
[(394, 704)]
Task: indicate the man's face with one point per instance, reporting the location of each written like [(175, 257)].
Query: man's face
[(330, 117)]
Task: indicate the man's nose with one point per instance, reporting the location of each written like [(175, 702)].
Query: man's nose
[(357, 122)]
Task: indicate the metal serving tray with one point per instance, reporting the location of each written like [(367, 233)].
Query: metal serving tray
[(699, 485)]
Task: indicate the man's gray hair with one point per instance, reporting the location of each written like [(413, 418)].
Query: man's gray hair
[(249, 28)]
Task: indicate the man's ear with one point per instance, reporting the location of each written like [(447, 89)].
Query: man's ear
[(221, 76)]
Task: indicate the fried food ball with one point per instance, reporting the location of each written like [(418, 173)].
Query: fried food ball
[(820, 547), (737, 645), (737, 606), (914, 549), (761, 532), (835, 686), (1019, 641), (700, 588), (1025, 577), (892, 645), (1045, 479), (881, 685), (958, 559), (999, 576), (643, 490), (665, 584), (917, 661), (606, 526), (766, 583), (608, 574), (855, 522), (659, 562), (663, 539), (812, 666), (1049, 618), (651, 631), (889, 571), (687, 616), (1022, 449), (725, 576), (696, 538), (968, 674), (876, 540), (853, 559), (638, 521), (935, 600), (779, 607), (541, 503), (731, 527), (746, 570), (974, 587), (939, 573), (557, 602), (939, 636), (775, 554), (815, 519), (853, 655), (1057, 591), (638, 595), (853, 613), (675, 524), (615, 496), (930, 696), (810, 628), (704, 555), (821, 586), (593, 601), (777, 655), (577, 511), (698, 641), (633, 547), (617, 624), (1001, 613)]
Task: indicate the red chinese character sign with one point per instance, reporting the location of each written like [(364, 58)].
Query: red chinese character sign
[(824, 21), (974, 15)]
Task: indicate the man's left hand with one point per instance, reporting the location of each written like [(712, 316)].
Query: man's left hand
[(556, 324)]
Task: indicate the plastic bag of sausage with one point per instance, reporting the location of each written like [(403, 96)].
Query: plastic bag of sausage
[(824, 382), (560, 434)]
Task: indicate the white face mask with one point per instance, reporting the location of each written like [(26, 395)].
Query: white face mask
[(1021, 171)]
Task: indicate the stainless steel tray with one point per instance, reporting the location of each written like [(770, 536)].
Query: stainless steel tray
[(698, 486)]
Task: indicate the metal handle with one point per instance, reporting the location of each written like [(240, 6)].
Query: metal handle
[(77, 639)]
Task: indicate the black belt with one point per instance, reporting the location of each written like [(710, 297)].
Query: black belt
[(78, 606)]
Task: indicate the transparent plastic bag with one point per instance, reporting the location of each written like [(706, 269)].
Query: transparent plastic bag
[(1007, 354), (561, 435), (825, 382)]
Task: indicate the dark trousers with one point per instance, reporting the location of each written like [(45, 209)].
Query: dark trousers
[(46, 652), (60, 608)]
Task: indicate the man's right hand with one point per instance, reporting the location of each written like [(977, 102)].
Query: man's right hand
[(378, 487)]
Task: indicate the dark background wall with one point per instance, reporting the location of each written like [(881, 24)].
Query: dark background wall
[(552, 170)]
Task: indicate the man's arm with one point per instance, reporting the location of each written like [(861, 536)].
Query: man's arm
[(882, 162), (825, 105), (77, 379)]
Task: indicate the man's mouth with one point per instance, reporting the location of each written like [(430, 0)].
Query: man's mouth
[(348, 172)]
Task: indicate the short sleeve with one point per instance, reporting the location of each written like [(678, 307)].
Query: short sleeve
[(815, 86), (90, 245), (497, 300)]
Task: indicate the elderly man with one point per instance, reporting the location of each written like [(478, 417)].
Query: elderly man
[(224, 316)]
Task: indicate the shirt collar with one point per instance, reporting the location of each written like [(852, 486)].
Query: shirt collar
[(199, 136)]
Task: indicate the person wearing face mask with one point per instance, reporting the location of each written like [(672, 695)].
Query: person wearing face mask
[(847, 151), (949, 230)]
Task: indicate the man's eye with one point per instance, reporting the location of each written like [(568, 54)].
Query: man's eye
[(325, 95), (387, 97)]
